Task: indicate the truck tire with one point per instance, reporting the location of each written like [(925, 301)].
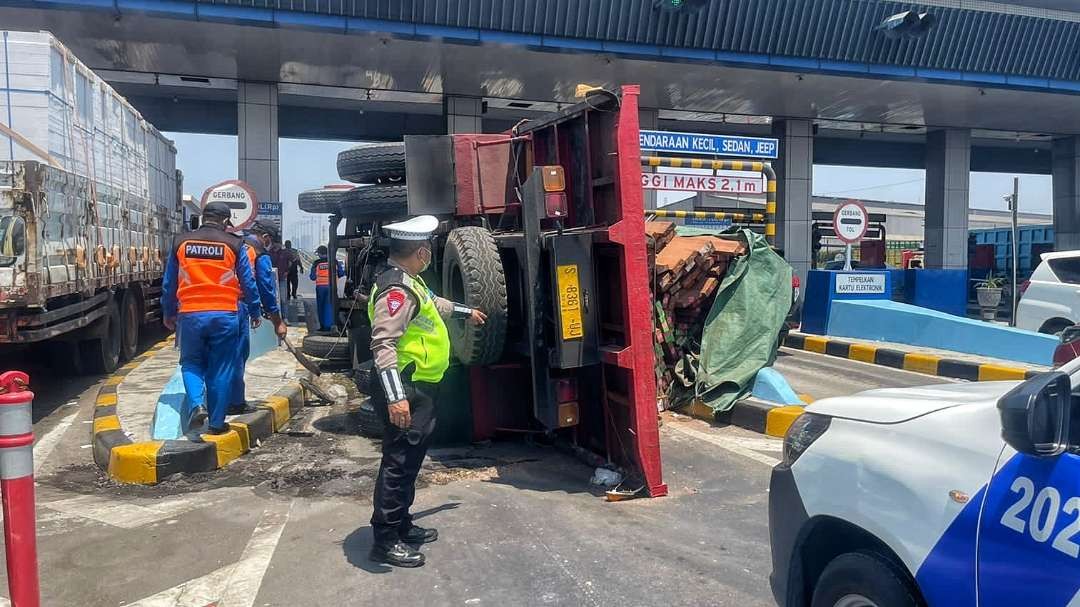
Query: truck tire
[(363, 376), (102, 354), (326, 346), (375, 163), (369, 420), (130, 325), (322, 200), (473, 275), (376, 202)]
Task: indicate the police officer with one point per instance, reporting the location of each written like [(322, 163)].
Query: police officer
[(207, 275), (258, 240), (320, 273), (411, 348)]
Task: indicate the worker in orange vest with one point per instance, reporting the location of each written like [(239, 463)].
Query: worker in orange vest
[(258, 239), (207, 275), (320, 273)]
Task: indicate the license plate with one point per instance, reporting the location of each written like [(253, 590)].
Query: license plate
[(570, 301)]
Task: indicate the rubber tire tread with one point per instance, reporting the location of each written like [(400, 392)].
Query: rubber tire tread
[(869, 574), (376, 163), (96, 359), (323, 200), (129, 344), (326, 346), (472, 252), (376, 202), (369, 421)]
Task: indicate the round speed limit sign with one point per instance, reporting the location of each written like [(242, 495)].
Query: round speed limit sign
[(850, 221)]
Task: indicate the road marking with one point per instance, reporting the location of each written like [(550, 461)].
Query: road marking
[(739, 446), (128, 515), (234, 585), (44, 446)]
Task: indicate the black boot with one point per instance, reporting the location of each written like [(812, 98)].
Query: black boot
[(398, 555), (418, 535), (198, 416)]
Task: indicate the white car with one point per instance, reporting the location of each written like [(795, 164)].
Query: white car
[(960, 495), (1050, 299)]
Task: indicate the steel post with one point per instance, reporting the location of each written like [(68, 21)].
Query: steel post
[(17, 488)]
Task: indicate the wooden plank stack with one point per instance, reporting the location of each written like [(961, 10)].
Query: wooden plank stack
[(687, 271)]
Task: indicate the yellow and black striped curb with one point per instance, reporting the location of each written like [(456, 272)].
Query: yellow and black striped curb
[(753, 414), (148, 462), (918, 362)]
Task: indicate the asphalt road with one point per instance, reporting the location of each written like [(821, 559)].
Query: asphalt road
[(819, 376), (520, 524)]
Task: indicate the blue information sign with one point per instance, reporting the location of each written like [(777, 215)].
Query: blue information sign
[(713, 145), (270, 212)]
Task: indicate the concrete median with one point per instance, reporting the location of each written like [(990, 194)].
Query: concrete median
[(128, 459)]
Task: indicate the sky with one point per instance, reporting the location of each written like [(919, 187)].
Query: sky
[(305, 164)]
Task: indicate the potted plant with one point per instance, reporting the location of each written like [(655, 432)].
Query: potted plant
[(989, 294)]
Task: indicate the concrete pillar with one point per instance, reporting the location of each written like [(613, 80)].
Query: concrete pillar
[(948, 172), (464, 114), (257, 104), (1066, 178), (794, 191), (648, 120)]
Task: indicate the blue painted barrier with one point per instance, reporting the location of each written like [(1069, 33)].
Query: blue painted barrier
[(916, 326), (770, 385), (825, 286), (942, 290)]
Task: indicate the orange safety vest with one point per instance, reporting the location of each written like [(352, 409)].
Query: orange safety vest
[(206, 271), (322, 274)]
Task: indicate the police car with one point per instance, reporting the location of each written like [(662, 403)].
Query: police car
[(954, 495)]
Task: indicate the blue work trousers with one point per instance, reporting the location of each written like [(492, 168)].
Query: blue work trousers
[(208, 359), (237, 397), (324, 303)]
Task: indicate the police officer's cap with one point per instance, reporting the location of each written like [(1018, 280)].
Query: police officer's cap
[(417, 228), (216, 208)]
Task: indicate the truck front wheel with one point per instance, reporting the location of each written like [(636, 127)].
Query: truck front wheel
[(102, 354), (473, 275)]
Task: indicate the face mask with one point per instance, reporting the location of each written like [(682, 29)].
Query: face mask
[(427, 263)]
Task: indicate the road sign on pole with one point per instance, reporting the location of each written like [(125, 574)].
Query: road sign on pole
[(239, 196), (713, 145), (270, 213), (850, 222)]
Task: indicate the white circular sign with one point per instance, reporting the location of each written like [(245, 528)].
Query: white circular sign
[(239, 196), (851, 221)]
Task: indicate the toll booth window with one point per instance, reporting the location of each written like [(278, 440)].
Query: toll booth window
[(1066, 269), (12, 240)]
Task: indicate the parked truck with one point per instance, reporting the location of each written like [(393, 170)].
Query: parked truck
[(90, 200)]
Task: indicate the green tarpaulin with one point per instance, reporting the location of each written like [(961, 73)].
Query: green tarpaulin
[(741, 330)]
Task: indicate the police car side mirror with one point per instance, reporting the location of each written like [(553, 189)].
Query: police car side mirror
[(1035, 415)]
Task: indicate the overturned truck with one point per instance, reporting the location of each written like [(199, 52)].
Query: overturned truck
[(542, 229)]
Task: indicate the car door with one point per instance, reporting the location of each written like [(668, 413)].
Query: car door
[(1029, 532)]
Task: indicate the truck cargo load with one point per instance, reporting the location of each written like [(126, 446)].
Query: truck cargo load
[(89, 204)]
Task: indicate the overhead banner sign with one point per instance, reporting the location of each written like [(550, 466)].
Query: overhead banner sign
[(724, 182), (670, 142), (240, 198), (270, 212)]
